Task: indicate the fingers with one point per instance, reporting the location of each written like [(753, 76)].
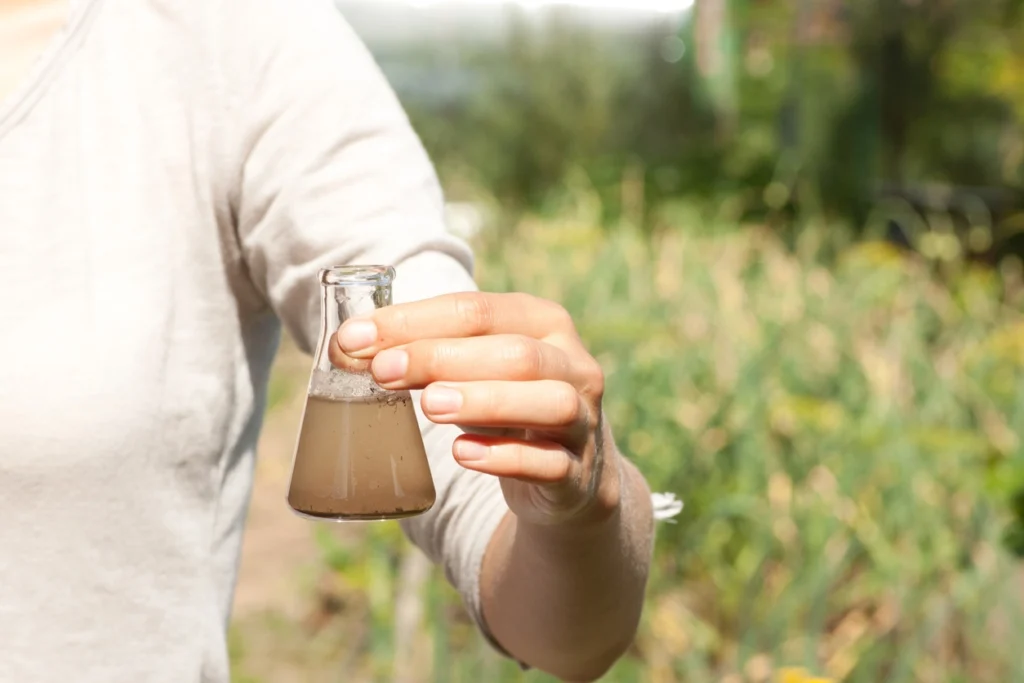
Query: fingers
[(538, 462), (540, 406), (343, 361), (499, 357), (468, 314)]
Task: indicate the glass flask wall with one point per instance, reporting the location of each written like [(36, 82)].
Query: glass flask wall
[(359, 455)]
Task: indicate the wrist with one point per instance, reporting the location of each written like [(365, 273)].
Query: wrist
[(600, 517)]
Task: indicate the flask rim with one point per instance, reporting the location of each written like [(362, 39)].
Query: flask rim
[(345, 276)]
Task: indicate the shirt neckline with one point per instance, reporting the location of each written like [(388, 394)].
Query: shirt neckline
[(19, 101)]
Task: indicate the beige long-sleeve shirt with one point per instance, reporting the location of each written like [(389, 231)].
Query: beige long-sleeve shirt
[(172, 175)]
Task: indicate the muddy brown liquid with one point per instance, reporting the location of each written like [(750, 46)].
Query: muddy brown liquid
[(360, 460)]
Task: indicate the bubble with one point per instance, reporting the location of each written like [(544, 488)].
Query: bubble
[(673, 49)]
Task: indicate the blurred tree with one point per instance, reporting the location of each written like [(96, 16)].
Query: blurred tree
[(775, 104), (546, 103)]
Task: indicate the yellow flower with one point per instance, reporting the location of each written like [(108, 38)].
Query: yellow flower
[(798, 675), (792, 675)]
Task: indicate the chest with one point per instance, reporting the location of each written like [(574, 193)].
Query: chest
[(116, 314)]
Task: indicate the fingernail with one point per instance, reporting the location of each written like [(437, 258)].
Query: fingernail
[(356, 335), (470, 451), (441, 400), (390, 366)]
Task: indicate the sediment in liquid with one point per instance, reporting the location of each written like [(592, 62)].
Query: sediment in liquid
[(360, 459)]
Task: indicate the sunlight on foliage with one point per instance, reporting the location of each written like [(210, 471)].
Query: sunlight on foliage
[(845, 437)]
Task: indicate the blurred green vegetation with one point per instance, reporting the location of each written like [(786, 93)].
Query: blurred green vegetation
[(845, 433), (846, 439), (814, 107)]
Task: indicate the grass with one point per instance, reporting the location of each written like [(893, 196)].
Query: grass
[(846, 436)]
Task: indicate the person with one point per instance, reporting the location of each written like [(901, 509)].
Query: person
[(173, 174)]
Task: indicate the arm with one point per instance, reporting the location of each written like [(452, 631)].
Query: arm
[(568, 599)]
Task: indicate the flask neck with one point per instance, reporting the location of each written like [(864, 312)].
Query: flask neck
[(349, 293)]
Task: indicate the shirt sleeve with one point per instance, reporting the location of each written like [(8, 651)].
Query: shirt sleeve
[(331, 173)]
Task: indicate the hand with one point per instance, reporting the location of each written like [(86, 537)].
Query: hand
[(511, 370)]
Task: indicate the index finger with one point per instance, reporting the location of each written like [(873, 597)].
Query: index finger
[(452, 316)]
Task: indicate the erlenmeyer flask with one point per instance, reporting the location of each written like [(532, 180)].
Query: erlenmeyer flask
[(360, 455)]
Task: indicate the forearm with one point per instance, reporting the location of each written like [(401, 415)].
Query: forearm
[(568, 600)]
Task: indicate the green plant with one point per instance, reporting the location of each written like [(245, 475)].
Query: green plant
[(846, 441), (844, 431)]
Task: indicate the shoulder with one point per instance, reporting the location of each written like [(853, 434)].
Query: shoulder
[(234, 52), (299, 25), (268, 42), (238, 30)]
